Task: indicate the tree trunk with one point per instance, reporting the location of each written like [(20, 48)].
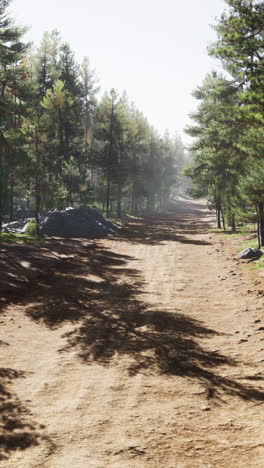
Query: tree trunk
[(218, 214), (62, 145), (218, 210), (11, 205), (1, 188), (119, 194), (107, 201), (261, 224), (109, 162), (37, 206), (233, 223), (4, 150), (129, 203), (223, 219), (136, 207), (37, 182), (133, 200), (110, 208)]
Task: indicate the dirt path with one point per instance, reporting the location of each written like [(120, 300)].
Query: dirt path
[(144, 352)]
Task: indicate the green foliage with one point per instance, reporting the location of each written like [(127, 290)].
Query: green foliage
[(14, 91), (258, 264), (59, 146), (20, 238), (31, 229), (246, 244), (57, 98), (229, 130)]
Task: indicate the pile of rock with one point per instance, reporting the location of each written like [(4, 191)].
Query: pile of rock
[(73, 222)]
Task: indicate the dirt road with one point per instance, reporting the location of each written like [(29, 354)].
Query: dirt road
[(145, 351)]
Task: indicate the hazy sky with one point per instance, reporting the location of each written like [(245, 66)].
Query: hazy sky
[(154, 49)]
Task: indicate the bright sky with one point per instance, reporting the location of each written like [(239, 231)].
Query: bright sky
[(154, 49)]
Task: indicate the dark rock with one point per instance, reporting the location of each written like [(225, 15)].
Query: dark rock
[(20, 212), (251, 253), (76, 222), (73, 222)]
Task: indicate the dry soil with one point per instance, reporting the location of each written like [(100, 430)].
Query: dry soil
[(140, 351)]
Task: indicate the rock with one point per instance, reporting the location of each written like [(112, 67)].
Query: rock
[(18, 227), (251, 253), (20, 213), (73, 222), (76, 222), (205, 408)]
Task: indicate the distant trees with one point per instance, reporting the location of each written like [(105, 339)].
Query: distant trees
[(133, 160), (60, 145), (229, 123)]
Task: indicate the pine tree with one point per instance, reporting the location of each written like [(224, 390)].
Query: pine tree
[(219, 157), (88, 99), (240, 48), (14, 74)]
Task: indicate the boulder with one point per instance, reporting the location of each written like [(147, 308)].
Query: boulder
[(251, 253), (76, 222)]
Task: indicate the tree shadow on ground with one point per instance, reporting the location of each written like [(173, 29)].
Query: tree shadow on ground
[(23, 264), (17, 430), (162, 342), (167, 226), (112, 321)]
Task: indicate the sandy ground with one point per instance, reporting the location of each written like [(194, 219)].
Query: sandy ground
[(144, 351)]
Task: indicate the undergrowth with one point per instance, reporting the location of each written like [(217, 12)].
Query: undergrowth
[(243, 231), (20, 238), (247, 244), (258, 264)]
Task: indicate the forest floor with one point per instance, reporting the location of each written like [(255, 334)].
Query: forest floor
[(139, 351)]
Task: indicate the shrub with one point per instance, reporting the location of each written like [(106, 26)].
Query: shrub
[(32, 228)]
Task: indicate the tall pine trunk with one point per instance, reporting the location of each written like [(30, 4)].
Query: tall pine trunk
[(4, 150), (133, 200), (119, 195), (11, 204), (107, 202), (37, 181), (261, 224), (218, 209), (1, 187), (223, 219), (233, 223), (109, 161)]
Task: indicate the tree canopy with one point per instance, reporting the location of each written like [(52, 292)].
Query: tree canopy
[(229, 123), (62, 144)]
